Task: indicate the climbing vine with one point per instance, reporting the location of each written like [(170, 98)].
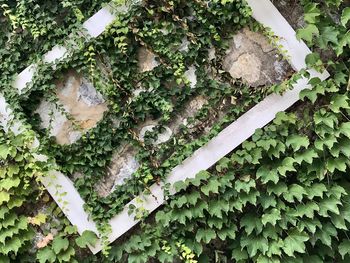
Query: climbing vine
[(283, 196)]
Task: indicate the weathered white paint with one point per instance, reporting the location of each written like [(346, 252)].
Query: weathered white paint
[(56, 54), (24, 78), (208, 155), (62, 190), (96, 24)]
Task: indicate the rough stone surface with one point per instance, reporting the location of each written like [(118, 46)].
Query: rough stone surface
[(251, 58), (79, 100), (190, 74), (89, 95), (184, 47), (162, 137), (122, 166), (146, 60)]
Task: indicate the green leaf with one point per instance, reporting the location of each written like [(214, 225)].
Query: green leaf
[(307, 156), (66, 255), (251, 222), (313, 60), (307, 209), (312, 94), (4, 151), (4, 197), (286, 166), (308, 33), (311, 12), (87, 238), (329, 205), (338, 221), (60, 244), (339, 101), (271, 217), (344, 246), (344, 40), (211, 187), (297, 141), (239, 254), (278, 189), (345, 17), (255, 244), (266, 175), (329, 34), (295, 191), (205, 235), (225, 233), (9, 183), (294, 242), (336, 164), (46, 255), (316, 190), (345, 129), (244, 186), (325, 234)]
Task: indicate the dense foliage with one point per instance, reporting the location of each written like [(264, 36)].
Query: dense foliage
[(282, 197)]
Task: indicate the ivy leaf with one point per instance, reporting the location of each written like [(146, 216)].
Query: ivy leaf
[(311, 13), (205, 235), (251, 222), (266, 175), (295, 191), (328, 35), (60, 244), (9, 183), (343, 41), (345, 129), (329, 205), (271, 217), (297, 141), (230, 232), (336, 163), (339, 101), (313, 93), (211, 187), (317, 189), (308, 33), (345, 17), (286, 166), (294, 242), (46, 255), (306, 156), (277, 189), (344, 246), (66, 255), (307, 209), (313, 60), (239, 254), (325, 234), (4, 197), (338, 221), (4, 151), (38, 219), (87, 238), (255, 244)]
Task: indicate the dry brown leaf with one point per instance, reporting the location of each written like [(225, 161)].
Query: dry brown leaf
[(45, 241)]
